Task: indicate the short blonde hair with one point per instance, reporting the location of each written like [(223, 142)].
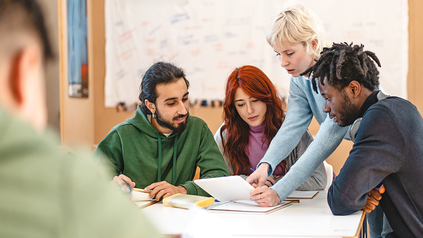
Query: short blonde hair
[(297, 24)]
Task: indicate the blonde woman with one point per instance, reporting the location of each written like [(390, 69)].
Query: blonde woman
[(297, 37)]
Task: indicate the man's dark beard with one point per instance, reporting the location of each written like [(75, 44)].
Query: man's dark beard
[(181, 126), (348, 113)]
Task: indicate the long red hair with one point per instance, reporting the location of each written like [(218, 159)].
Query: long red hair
[(257, 85)]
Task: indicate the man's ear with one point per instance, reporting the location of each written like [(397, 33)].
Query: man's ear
[(355, 88), (16, 80), (150, 106), (23, 66)]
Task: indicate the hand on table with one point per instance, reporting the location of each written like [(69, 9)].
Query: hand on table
[(164, 189), (259, 176), (264, 196), (373, 198)]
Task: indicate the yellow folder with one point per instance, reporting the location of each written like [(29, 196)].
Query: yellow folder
[(186, 200)]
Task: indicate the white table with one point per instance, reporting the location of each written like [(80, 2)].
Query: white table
[(309, 218)]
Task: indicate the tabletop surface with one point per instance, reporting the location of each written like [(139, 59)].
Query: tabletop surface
[(308, 218)]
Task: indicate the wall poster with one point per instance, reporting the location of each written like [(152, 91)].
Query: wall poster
[(77, 48)]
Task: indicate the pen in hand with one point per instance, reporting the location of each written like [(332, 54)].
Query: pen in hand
[(142, 190), (125, 187)]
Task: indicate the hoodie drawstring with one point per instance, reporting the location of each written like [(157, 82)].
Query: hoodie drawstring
[(159, 161), (175, 148)]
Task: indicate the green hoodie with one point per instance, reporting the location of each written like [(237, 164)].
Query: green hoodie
[(141, 152), (47, 193)]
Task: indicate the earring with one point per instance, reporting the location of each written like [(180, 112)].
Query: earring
[(152, 114)]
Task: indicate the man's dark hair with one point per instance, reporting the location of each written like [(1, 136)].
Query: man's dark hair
[(158, 73), (343, 63), (23, 16)]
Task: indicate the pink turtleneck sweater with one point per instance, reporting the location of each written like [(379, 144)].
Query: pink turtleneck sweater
[(255, 149)]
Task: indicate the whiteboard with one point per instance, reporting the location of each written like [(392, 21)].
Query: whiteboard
[(209, 38)]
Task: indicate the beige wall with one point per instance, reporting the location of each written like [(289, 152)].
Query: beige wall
[(96, 120), (415, 52)]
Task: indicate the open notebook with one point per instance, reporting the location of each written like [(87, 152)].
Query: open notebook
[(247, 206), (233, 194)]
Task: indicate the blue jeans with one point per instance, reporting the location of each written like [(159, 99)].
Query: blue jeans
[(378, 224)]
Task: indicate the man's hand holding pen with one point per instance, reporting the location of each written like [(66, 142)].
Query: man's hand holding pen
[(124, 183)]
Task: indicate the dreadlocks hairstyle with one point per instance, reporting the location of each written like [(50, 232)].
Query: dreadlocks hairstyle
[(256, 84), (343, 63)]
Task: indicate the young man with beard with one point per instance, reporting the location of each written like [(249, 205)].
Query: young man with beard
[(160, 148), (388, 135)]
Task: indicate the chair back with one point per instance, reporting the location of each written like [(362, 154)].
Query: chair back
[(329, 174)]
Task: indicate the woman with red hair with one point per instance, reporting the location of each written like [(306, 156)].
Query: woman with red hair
[(253, 115)]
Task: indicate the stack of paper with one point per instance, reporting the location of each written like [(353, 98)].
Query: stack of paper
[(302, 195)]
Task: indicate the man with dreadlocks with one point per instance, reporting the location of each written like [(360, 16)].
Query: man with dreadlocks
[(388, 136)]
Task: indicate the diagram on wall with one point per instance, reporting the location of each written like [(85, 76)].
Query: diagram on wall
[(209, 38)]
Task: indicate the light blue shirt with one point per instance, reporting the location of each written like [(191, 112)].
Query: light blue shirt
[(303, 104)]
